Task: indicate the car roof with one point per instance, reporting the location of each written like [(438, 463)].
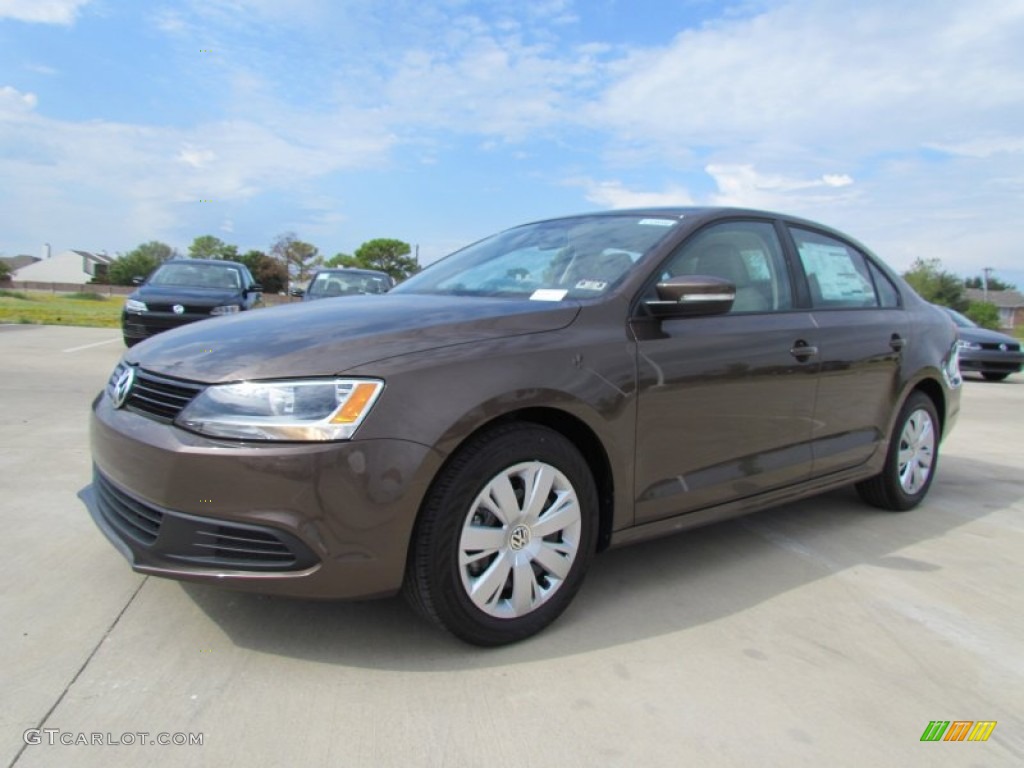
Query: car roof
[(350, 271), (206, 262)]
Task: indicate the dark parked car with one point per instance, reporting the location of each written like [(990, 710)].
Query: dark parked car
[(474, 436), (327, 283), (185, 290), (992, 354)]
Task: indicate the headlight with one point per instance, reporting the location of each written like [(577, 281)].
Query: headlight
[(968, 345), (227, 309), (310, 409), (131, 305)]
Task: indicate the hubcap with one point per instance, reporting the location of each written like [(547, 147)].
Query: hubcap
[(917, 451), (519, 540)]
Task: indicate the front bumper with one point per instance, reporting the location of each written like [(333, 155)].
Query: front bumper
[(991, 361), (315, 520)]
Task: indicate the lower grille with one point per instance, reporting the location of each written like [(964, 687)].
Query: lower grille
[(129, 517), (235, 545), (199, 541)]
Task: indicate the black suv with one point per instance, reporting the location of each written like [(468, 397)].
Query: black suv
[(183, 291)]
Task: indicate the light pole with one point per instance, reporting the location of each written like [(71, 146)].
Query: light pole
[(984, 282)]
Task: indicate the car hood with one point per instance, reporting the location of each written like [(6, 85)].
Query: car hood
[(321, 338), (178, 294), (985, 336)]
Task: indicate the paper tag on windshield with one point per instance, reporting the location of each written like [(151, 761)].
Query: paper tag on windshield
[(658, 222), (548, 294), (591, 285)]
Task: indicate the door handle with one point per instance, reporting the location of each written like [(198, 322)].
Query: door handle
[(897, 342), (801, 350)]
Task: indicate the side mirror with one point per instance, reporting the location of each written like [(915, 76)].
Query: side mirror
[(692, 296), (254, 288), (138, 280)]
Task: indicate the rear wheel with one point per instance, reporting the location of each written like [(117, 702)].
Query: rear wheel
[(995, 376), (911, 459), (505, 536)]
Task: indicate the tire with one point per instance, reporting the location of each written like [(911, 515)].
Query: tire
[(130, 342), (995, 376), (911, 460), (486, 565)]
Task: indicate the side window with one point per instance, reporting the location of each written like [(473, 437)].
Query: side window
[(888, 296), (837, 274), (747, 254)]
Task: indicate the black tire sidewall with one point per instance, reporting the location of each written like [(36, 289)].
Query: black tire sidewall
[(483, 459), (916, 402)]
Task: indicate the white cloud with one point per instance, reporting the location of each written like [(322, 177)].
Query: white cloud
[(41, 11), (743, 185), (13, 101), (614, 194), (983, 147), (828, 76), (197, 158)]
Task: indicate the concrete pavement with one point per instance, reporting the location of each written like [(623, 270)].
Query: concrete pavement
[(819, 633)]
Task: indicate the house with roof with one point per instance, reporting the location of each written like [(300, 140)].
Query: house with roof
[(1009, 303), (65, 267), (14, 263)]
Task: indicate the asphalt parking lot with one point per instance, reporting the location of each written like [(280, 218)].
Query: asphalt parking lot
[(819, 633)]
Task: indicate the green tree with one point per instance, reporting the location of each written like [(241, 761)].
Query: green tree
[(5, 271), (994, 284), (340, 260), (383, 254), (984, 313), (934, 284), (299, 257), (267, 271), (139, 262), (210, 247)]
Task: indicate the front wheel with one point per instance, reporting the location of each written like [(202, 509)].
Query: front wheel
[(911, 459), (995, 376), (505, 536)]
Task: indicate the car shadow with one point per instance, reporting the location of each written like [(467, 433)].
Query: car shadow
[(647, 590)]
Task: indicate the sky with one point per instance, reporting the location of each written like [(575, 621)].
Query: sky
[(438, 122)]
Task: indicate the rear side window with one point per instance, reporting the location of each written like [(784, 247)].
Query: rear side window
[(888, 296), (837, 274)]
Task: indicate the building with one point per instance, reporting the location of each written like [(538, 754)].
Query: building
[(1009, 303), (65, 267), (14, 263)]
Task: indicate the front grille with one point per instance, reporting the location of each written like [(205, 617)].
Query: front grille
[(998, 346), (160, 397), (128, 516)]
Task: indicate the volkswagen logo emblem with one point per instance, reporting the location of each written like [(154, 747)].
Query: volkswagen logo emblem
[(123, 386), (1003, 347), (519, 537), (178, 309)]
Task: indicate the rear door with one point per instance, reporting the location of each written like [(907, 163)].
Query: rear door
[(861, 335), (725, 403)]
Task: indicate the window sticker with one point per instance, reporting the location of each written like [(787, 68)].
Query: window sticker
[(838, 278), (657, 222), (548, 294), (591, 285)]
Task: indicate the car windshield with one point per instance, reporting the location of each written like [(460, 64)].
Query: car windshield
[(581, 257), (196, 276), (346, 284), (959, 320)]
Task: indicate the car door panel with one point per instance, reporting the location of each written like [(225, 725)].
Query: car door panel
[(725, 410)]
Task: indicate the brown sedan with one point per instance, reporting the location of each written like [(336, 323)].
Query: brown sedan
[(473, 437)]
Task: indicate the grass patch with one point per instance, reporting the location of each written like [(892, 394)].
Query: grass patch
[(69, 309)]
